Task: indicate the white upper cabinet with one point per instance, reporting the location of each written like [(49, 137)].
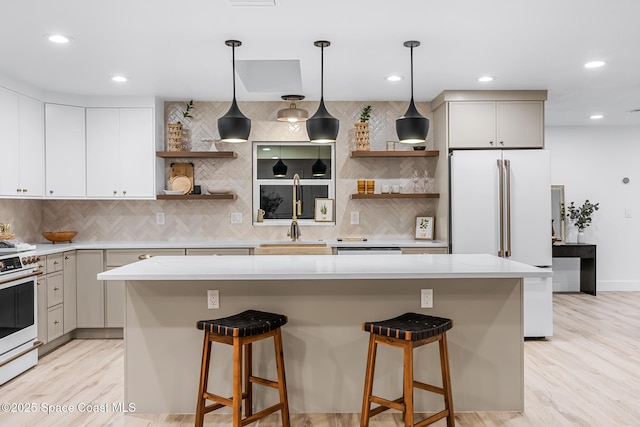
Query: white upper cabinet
[(496, 124), (120, 153), (65, 151), (22, 145)]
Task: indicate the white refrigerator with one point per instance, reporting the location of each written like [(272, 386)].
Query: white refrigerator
[(501, 205)]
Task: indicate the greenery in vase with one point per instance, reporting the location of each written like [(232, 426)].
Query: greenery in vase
[(187, 113), (424, 223), (365, 114), (581, 216)]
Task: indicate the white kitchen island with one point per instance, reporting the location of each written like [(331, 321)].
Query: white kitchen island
[(326, 299)]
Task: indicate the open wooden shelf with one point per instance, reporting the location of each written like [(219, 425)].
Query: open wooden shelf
[(225, 196), (197, 154), (397, 196), (413, 153)]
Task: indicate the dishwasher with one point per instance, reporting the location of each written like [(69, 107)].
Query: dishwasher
[(369, 251)]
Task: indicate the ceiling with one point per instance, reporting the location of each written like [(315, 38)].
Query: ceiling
[(175, 49)]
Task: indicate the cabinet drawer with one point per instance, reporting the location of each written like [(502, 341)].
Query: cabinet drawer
[(120, 257), (54, 263), (406, 251), (218, 251), (54, 322), (55, 288)]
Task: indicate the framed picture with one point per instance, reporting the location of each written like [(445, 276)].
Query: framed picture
[(424, 228), (323, 211)]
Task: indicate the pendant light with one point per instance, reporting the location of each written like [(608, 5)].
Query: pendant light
[(293, 114), (319, 168), (322, 127), (412, 128), (280, 169), (234, 126)]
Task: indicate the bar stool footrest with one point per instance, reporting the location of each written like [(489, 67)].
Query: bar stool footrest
[(264, 382), (389, 404), (224, 401), (429, 387), (433, 418), (262, 414)]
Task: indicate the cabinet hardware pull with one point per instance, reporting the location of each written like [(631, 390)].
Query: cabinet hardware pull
[(18, 190), (56, 288), (55, 322), (66, 257), (501, 142), (490, 142), (24, 190), (124, 193), (50, 191), (55, 262), (144, 256), (115, 192)]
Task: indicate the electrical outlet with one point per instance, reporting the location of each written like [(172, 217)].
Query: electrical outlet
[(426, 298), (236, 217), (355, 217), (213, 298), (159, 218)]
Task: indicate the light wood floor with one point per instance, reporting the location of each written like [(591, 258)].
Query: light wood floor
[(588, 374)]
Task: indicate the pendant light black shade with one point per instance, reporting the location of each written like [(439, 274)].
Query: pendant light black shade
[(234, 126), (322, 127), (280, 169), (412, 127), (319, 168)]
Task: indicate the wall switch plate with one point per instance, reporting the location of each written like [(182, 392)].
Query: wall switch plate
[(236, 217), (213, 298), (355, 217), (159, 218), (426, 298)]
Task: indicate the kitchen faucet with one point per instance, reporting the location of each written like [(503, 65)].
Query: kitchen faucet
[(294, 232)]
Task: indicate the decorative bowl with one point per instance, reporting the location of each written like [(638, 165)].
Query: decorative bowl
[(59, 236)]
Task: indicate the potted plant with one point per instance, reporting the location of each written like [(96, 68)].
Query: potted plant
[(323, 211), (362, 129), (581, 216)]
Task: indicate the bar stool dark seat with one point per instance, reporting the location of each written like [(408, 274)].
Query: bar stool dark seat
[(240, 331), (408, 331)]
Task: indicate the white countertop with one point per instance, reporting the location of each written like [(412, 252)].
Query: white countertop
[(296, 267), (48, 248)]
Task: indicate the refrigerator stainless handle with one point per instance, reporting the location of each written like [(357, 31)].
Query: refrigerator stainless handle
[(501, 203), (507, 164)]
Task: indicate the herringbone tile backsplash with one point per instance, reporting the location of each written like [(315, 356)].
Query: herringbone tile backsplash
[(210, 219)]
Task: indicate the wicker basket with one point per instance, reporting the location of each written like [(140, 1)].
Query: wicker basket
[(174, 137), (362, 136)]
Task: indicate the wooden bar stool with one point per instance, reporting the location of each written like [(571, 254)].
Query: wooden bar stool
[(240, 331), (408, 331)]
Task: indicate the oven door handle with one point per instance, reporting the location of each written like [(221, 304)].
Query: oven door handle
[(15, 279), (36, 344)]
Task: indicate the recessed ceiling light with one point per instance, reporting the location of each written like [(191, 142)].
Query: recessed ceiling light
[(596, 116), (485, 79), (58, 38), (594, 64), (119, 79), (394, 78)]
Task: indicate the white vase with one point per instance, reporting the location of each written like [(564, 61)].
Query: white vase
[(581, 237)]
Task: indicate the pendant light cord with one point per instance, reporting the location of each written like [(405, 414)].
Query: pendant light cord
[(321, 72), (411, 73), (233, 67)]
